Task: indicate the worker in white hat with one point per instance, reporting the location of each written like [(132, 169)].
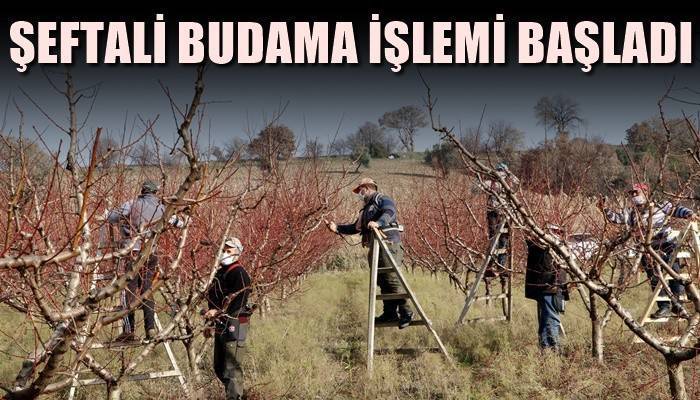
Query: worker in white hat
[(228, 308)]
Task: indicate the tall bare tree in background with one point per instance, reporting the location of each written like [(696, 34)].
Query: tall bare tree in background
[(313, 148), (504, 140), (274, 143), (143, 154), (406, 121), (559, 112), (106, 151), (371, 138)]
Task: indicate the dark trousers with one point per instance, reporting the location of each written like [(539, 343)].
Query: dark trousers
[(134, 288), (228, 356), (665, 250), (494, 219), (549, 322), (388, 281)]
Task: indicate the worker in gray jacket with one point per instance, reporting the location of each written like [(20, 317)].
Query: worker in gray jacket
[(135, 217)]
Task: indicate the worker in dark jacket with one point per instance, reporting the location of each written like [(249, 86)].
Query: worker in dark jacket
[(545, 283), (136, 217), (637, 218), (379, 211), (228, 308)]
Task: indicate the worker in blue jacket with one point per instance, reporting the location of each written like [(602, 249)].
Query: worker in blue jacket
[(379, 211)]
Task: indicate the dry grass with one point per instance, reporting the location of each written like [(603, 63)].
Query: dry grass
[(313, 347)]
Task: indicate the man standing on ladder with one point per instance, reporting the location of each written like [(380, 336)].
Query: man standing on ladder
[(228, 307), (379, 211), (135, 217), (636, 218), (495, 215)]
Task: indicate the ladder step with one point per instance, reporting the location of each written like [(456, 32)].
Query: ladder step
[(501, 318), (655, 321), (498, 252), (492, 297), (683, 254), (393, 296), (504, 230), (682, 276), (385, 269), (395, 324), (137, 377), (407, 350), (666, 298)]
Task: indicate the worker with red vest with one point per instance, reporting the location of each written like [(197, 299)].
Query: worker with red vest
[(228, 308)]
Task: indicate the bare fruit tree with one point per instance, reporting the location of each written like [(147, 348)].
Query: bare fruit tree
[(593, 273), (53, 254), (447, 232), (64, 266)]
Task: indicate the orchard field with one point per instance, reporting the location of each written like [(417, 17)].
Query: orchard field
[(311, 343)]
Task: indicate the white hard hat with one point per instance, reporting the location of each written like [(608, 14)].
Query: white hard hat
[(235, 243)]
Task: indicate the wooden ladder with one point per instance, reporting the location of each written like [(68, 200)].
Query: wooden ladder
[(505, 296), (692, 230), (174, 372), (378, 244)]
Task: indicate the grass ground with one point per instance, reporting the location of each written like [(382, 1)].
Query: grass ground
[(314, 347)]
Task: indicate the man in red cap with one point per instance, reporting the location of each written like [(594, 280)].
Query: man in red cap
[(379, 211), (636, 218)]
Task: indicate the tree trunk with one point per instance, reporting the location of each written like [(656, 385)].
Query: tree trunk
[(283, 290), (597, 344), (267, 305), (192, 361), (596, 330), (195, 372), (114, 392), (676, 380), (264, 307)]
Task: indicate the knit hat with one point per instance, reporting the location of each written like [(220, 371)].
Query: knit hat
[(149, 186)]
